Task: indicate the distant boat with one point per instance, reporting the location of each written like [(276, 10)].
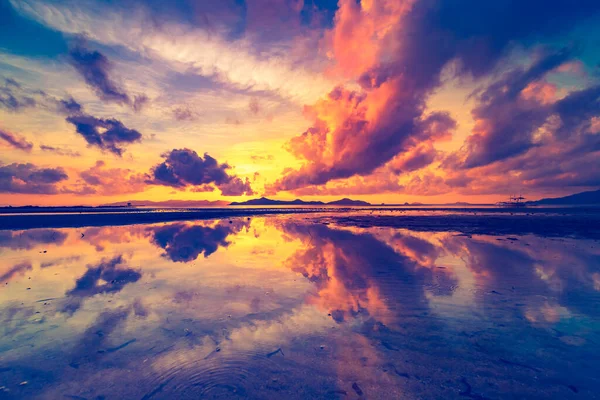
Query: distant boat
[(513, 202)]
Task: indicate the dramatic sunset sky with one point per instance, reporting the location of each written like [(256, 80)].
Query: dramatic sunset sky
[(381, 100)]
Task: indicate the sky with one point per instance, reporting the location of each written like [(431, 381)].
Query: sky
[(388, 101)]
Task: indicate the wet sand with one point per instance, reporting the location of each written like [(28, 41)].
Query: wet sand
[(117, 217), (330, 305), (550, 222)]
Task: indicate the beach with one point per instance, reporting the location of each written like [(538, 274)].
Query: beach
[(319, 304)]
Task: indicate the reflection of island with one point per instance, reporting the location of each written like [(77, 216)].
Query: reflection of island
[(184, 242)]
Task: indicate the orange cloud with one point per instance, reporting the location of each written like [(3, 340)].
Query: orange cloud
[(541, 92), (361, 31)]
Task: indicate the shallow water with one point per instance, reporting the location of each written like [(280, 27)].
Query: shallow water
[(297, 306)]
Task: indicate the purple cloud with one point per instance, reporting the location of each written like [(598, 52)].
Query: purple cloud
[(184, 168), (28, 178), (14, 141), (115, 134)]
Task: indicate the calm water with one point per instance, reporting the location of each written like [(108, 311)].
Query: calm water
[(290, 307)]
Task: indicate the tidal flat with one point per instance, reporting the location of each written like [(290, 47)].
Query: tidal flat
[(378, 304)]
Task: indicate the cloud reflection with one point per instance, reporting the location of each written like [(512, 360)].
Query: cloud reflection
[(18, 269), (383, 308), (184, 242), (29, 239), (356, 274), (108, 276)]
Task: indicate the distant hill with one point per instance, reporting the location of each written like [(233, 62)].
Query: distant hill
[(169, 203), (583, 199), (263, 201), (348, 202)]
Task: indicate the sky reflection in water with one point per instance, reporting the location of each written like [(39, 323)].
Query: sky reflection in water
[(282, 307)]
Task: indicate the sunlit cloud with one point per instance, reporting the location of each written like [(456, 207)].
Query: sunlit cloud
[(386, 100)]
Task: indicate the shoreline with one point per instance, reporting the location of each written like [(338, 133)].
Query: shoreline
[(549, 222), (78, 219)]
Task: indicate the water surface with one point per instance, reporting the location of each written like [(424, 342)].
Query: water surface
[(297, 306)]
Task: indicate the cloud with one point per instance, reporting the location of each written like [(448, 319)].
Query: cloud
[(421, 156), (16, 142), (60, 151), (387, 56), (267, 157), (95, 69), (528, 136), (183, 168), (357, 131), (397, 51), (353, 135), (184, 114), (229, 57), (381, 181), (28, 178), (139, 102), (509, 112), (236, 186), (15, 97), (557, 166), (69, 106), (110, 181), (254, 106), (426, 184), (106, 134)]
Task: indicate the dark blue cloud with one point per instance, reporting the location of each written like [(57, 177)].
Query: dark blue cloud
[(15, 141), (113, 136), (28, 178), (185, 168), (15, 97), (510, 122), (70, 106), (577, 109), (108, 134), (473, 33), (95, 69)]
